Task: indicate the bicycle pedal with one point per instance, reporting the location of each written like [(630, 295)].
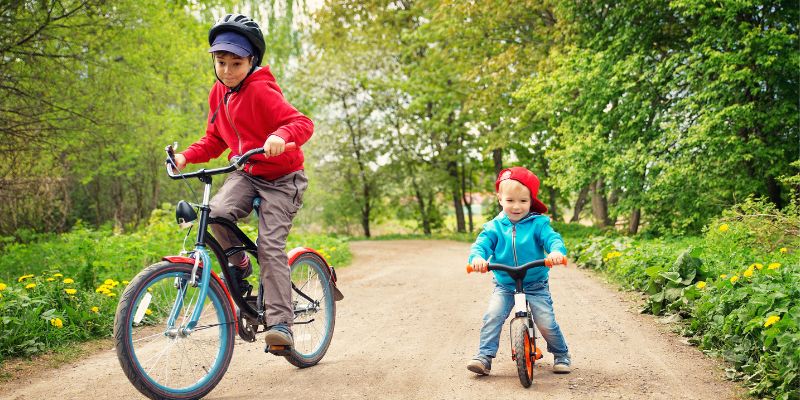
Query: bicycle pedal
[(278, 350)]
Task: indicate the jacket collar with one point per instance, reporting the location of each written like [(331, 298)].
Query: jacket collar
[(503, 218)]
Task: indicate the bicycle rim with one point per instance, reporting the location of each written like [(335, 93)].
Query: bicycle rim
[(161, 361), (315, 315)]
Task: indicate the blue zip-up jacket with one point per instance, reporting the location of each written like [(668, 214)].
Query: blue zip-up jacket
[(517, 243)]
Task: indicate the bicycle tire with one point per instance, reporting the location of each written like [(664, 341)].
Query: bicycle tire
[(161, 363), (313, 327), (521, 346)]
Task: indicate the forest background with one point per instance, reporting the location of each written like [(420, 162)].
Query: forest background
[(646, 115)]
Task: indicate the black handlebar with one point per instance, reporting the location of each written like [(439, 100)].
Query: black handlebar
[(521, 268), (237, 162)]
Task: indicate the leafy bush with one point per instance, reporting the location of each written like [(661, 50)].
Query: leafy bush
[(738, 286)]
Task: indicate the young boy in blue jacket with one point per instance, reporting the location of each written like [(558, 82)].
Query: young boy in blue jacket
[(518, 235)]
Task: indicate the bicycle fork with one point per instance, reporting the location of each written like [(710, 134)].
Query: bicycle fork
[(201, 258)]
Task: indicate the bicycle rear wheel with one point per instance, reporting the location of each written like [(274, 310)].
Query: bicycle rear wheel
[(160, 360), (521, 346), (314, 310)]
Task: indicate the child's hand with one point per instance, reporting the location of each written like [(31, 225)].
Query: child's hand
[(180, 161), (274, 146), (556, 258), (480, 265)]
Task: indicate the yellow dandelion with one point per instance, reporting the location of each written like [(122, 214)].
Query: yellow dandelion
[(734, 278), (68, 281), (70, 291), (103, 290), (111, 294), (774, 265), (30, 286), (723, 276), (701, 285), (148, 311), (23, 277), (783, 250), (3, 286), (96, 310), (50, 279), (109, 282), (58, 275), (723, 228), (333, 248), (771, 320), (125, 282), (57, 322), (748, 273), (757, 266)]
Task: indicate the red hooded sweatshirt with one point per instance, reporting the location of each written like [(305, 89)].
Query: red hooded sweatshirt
[(242, 121)]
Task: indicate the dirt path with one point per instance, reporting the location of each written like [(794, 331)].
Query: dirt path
[(408, 325)]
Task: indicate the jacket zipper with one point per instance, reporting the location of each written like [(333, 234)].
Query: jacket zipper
[(514, 243), (230, 120)]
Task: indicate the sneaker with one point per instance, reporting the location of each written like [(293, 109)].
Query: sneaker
[(241, 272), (561, 364), (480, 365), (279, 335)]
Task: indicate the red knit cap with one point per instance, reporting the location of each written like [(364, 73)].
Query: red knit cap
[(527, 178)]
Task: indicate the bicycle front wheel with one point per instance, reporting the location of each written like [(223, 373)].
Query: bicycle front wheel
[(521, 345), (314, 310), (160, 358)]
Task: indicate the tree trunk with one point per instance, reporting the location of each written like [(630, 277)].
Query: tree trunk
[(497, 158), (579, 204), (466, 187), (633, 224), (426, 223), (774, 192), (452, 170), (553, 197), (600, 204)]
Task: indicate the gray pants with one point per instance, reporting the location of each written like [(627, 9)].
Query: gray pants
[(280, 200)]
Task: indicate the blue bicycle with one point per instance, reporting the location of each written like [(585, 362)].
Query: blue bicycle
[(176, 321)]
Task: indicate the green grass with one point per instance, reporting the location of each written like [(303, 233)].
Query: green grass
[(56, 290)]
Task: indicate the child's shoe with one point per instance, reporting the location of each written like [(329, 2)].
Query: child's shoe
[(279, 335), (561, 364), (480, 365), (241, 272)]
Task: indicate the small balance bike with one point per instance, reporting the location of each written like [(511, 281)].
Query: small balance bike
[(523, 337), (177, 320)]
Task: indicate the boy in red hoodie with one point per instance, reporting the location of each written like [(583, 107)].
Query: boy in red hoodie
[(248, 111)]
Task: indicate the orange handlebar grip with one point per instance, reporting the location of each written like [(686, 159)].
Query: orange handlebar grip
[(548, 263), (469, 268)]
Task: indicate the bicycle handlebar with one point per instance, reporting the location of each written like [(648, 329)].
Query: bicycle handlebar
[(507, 268), (237, 162)]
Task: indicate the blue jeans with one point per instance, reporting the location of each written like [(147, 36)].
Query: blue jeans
[(501, 304)]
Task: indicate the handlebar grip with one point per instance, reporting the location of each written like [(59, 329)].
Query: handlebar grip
[(548, 263), (470, 269)]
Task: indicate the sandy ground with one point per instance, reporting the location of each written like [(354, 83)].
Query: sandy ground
[(408, 325)]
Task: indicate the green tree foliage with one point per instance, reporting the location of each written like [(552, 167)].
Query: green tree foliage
[(92, 93), (674, 109)]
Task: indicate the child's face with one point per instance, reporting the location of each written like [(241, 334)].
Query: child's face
[(515, 199), (231, 69)]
